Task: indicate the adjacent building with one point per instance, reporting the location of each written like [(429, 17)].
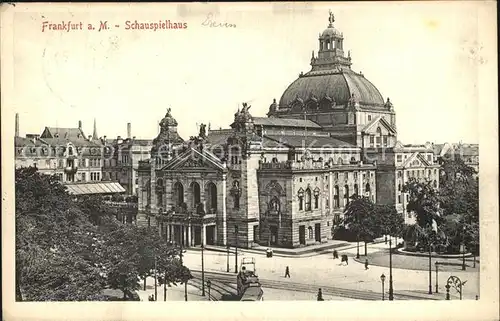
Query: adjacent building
[(69, 155)]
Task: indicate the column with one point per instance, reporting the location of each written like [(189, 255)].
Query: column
[(203, 235), (189, 235), (183, 236), (167, 231), (360, 182), (330, 191), (224, 209)]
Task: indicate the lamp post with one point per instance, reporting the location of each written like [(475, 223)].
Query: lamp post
[(202, 272), (436, 263), (357, 249), (236, 255), (156, 289), (462, 248), (430, 268), (227, 267), (391, 289), (382, 278), (209, 284)]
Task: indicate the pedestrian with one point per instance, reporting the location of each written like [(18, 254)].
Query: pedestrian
[(366, 264), (320, 295), (287, 272), (335, 254), (344, 259)]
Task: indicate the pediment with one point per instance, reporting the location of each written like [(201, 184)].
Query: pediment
[(416, 160), (194, 160), (371, 127)]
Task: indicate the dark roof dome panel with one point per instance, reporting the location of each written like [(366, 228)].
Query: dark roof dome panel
[(339, 86)]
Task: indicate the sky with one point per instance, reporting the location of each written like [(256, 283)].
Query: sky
[(425, 56)]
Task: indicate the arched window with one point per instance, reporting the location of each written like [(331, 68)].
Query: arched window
[(356, 190), (211, 197), (378, 138), (346, 195), (235, 192), (328, 45), (367, 187), (301, 199), (310, 232), (434, 183), (340, 161), (308, 199), (316, 198), (178, 193), (195, 195), (274, 204), (70, 151), (336, 196)]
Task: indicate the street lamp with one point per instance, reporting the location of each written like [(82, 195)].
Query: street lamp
[(462, 249), (227, 267), (357, 249), (202, 272), (391, 290), (209, 284), (236, 254), (382, 278), (430, 266)]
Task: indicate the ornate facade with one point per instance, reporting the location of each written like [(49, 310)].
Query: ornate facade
[(282, 180)]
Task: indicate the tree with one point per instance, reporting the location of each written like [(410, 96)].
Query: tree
[(54, 242), (71, 249), (360, 219), (390, 222), (424, 202)]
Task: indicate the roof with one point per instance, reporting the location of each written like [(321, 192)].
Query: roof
[(299, 141), (252, 293), (95, 188), (24, 142), (219, 137), (70, 133), (376, 120), (284, 122), (338, 85)]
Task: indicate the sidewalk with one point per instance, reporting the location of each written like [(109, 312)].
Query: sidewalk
[(307, 251)]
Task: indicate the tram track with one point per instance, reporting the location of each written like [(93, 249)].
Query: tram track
[(309, 288)]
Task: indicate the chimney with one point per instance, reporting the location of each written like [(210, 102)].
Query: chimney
[(17, 125), (129, 130), (80, 124), (90, 137)]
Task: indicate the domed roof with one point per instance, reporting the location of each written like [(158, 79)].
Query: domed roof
[(168, 120), (337, 85), (330, 31)]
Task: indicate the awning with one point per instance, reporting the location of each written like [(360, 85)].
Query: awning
[(95, 188)]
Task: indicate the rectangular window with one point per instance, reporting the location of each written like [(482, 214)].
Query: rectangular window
[(399, 199), (372, 140), (369, 117), (386, 140), (355, 175), (399, 158), (336, 175), (378, 140)]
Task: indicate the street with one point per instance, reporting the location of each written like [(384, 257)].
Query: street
[(322, 271)]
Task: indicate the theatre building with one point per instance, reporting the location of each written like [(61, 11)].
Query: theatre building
[(285, 179)]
